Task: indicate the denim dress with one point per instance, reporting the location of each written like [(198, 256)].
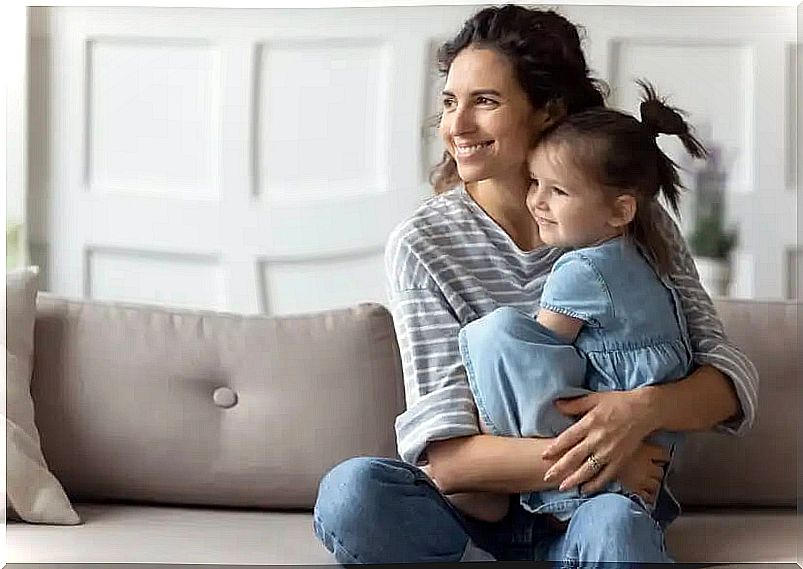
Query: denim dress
[(633, 335)]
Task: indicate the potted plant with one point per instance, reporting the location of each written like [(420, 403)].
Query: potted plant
[(711, 245), (710, 242), (12, 245)]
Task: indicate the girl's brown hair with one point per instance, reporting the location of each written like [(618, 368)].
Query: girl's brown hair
[(622, 155), (544, 49)]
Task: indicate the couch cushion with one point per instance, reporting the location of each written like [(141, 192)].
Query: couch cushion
[(735, 536), (758, 469), (33, 493), (129, 402), (150, 534), (153, 534)]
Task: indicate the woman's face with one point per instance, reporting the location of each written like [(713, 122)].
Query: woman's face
[(488, 123)]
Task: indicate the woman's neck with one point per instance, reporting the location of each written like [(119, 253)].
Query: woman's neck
[(505, 202)]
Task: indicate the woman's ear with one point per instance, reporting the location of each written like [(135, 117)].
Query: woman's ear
[(548, 115), (555, 111), (623, 210)]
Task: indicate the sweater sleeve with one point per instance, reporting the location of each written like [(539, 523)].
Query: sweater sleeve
[(440, 404), (710, 345)]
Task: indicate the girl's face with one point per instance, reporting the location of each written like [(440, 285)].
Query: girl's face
[(488, 124), (570, 208)]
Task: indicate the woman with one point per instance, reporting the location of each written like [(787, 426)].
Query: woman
[(512, 72)]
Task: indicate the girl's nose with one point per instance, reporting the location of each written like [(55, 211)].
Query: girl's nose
[(536, 198)]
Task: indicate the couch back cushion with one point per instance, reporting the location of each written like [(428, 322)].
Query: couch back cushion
[(174, 406), (129, 407), (758, 469)]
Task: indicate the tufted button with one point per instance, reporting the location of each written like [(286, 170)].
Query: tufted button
[(224, 397)]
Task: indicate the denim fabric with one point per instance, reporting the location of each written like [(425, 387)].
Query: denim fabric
[(379, 510), (634, 335)]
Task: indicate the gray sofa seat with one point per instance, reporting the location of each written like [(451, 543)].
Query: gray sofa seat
[(243, 537)]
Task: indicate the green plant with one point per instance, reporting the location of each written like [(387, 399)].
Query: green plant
[(710, 239), (12, 245)]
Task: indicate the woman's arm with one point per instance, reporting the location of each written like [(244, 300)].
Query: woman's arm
[(702, 401), (487, 463), (724, 390)]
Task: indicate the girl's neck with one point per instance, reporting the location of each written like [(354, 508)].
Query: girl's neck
[(504, 200)]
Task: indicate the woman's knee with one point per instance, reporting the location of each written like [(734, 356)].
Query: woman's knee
[(363, 501), (357, 486), (612, 527)]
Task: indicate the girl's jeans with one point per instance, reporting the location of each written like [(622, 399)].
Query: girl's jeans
[(379, 510)]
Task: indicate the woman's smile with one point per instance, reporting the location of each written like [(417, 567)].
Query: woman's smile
[(474, 150)]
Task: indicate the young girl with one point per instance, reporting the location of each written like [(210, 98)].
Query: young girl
[(609, 319)]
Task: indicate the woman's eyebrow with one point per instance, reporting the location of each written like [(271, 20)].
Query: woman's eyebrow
[(492, 92)]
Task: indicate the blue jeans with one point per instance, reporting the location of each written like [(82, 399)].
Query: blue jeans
[(379, 510)]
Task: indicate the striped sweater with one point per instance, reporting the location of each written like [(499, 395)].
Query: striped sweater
[(450, 263)]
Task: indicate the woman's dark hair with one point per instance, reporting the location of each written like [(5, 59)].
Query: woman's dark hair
[(544, 49), (622, 155)]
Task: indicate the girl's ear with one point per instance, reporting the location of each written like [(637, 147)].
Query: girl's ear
[(623, 210)]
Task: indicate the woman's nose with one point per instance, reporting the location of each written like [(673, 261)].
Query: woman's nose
[(462, 121)]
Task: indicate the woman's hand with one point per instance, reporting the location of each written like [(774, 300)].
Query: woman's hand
[(643, 473), (612, 426)]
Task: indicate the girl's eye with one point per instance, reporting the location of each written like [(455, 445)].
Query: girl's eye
[(534, 182), (560, 192)]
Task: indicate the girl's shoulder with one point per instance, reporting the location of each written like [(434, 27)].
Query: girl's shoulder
[(614, 254)]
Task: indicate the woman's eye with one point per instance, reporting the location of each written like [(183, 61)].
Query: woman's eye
[(534, 182), (448, 103), (559, 192)]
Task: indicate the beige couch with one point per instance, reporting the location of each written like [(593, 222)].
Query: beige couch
[(200, 437)]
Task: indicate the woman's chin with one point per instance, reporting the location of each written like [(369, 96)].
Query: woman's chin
[(471, 173)]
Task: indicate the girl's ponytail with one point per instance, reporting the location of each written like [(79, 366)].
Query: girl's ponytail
[(659, 118)]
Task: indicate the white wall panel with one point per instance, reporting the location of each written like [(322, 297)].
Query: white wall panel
[(153, 116), (291, 287), (160, 278), (322, 119)]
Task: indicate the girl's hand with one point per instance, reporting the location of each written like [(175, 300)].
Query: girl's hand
[(642, 474), (613, 425)]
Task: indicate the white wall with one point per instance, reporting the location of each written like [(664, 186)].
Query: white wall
[(255, 160)]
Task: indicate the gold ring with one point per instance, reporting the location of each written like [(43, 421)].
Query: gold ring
[(595, 464)]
